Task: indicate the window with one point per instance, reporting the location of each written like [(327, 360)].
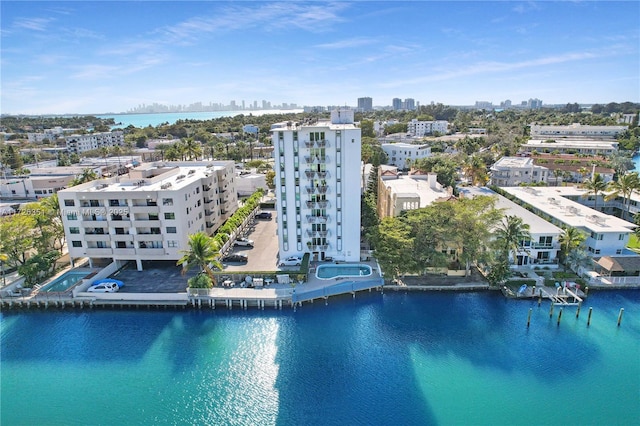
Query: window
[(171, 230), (619, 251), (169, 216), (76, 243), (167, 201), (621, 237), (72, 216), (69, 203), (74, 230), (172, 244)]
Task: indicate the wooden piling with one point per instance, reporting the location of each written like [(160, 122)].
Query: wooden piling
[(529, 318), (578, 310), (559, 315), (620, 316), (589, 317), (551, 310)]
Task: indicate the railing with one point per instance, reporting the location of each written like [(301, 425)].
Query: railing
[(309, 173)]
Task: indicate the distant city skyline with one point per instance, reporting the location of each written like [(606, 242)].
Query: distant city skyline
[(99, 57)]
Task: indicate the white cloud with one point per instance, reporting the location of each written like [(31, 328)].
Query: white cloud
[(33, 24), (347, 43)]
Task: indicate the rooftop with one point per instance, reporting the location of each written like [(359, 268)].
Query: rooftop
[(407, 186), (153, 177), (537, 225), (552, 201)]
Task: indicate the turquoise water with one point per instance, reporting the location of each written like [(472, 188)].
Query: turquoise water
[(395, 359), (332, 271), (64, 281), (144, 120)]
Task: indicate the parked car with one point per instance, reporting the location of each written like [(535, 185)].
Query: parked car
[(245, 242), (108, 287), (264, 215), (235, 258), (292, 261)]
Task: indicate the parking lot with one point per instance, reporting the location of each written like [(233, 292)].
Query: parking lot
[(166, 277), (264, 254)]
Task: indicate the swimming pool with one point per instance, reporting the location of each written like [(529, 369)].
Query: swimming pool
[(326, 272), (64, 281)]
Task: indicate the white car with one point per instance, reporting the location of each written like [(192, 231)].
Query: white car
[(243, 242), (109, 287), (292, 261)]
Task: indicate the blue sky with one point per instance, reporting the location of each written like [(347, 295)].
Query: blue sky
[(93, 57)]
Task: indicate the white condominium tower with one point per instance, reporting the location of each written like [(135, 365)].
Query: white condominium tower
[(317, 183)]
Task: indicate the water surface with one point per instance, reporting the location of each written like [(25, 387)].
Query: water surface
[(402, 359)]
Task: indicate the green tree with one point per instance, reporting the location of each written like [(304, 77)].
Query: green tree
[(571, 239), (475, 170), (200, 281), (624, 186), (394, 247), (510, 234), (596, 185), (203, 251), (16, 237), (37, 266), (366, 129)]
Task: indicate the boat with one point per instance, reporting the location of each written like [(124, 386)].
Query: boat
[(108, 280), (522, 289)]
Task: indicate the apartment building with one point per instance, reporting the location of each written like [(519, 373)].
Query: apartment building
[(403, 155), (425, 128), (77, 144), (318, 171), (606, 234), (398, 192), (512, 171), (577, 131), (149, 213), (543, 247)]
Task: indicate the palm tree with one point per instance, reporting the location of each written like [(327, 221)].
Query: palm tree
[(510, 234), (595, 186), (570, 240), (475, 170), (191, 148), (625, 185), (203, 251)]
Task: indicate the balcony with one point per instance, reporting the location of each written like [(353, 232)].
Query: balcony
[(123, 251), (121, 237), (148, 237), (316, 159), (309, 173), (144, 209), (312, 233), (323, 174), (324, 204), (317, 219), (99, 252), (321, 247), (151, 251), (537, 246)]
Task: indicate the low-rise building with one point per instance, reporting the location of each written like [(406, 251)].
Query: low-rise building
[(570, 146), (576, 130), (425, 128), (150, 213), (398, 192), (77, 144), (606, 234), (513, 171), (403, 155), (543, 247)]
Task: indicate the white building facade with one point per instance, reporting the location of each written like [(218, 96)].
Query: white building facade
[(150, 214), (403, 155), (317, 186), (77, 144), (512, 171), (424, 128)]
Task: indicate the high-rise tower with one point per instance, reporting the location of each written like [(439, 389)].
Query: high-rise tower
[(317, 183)]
